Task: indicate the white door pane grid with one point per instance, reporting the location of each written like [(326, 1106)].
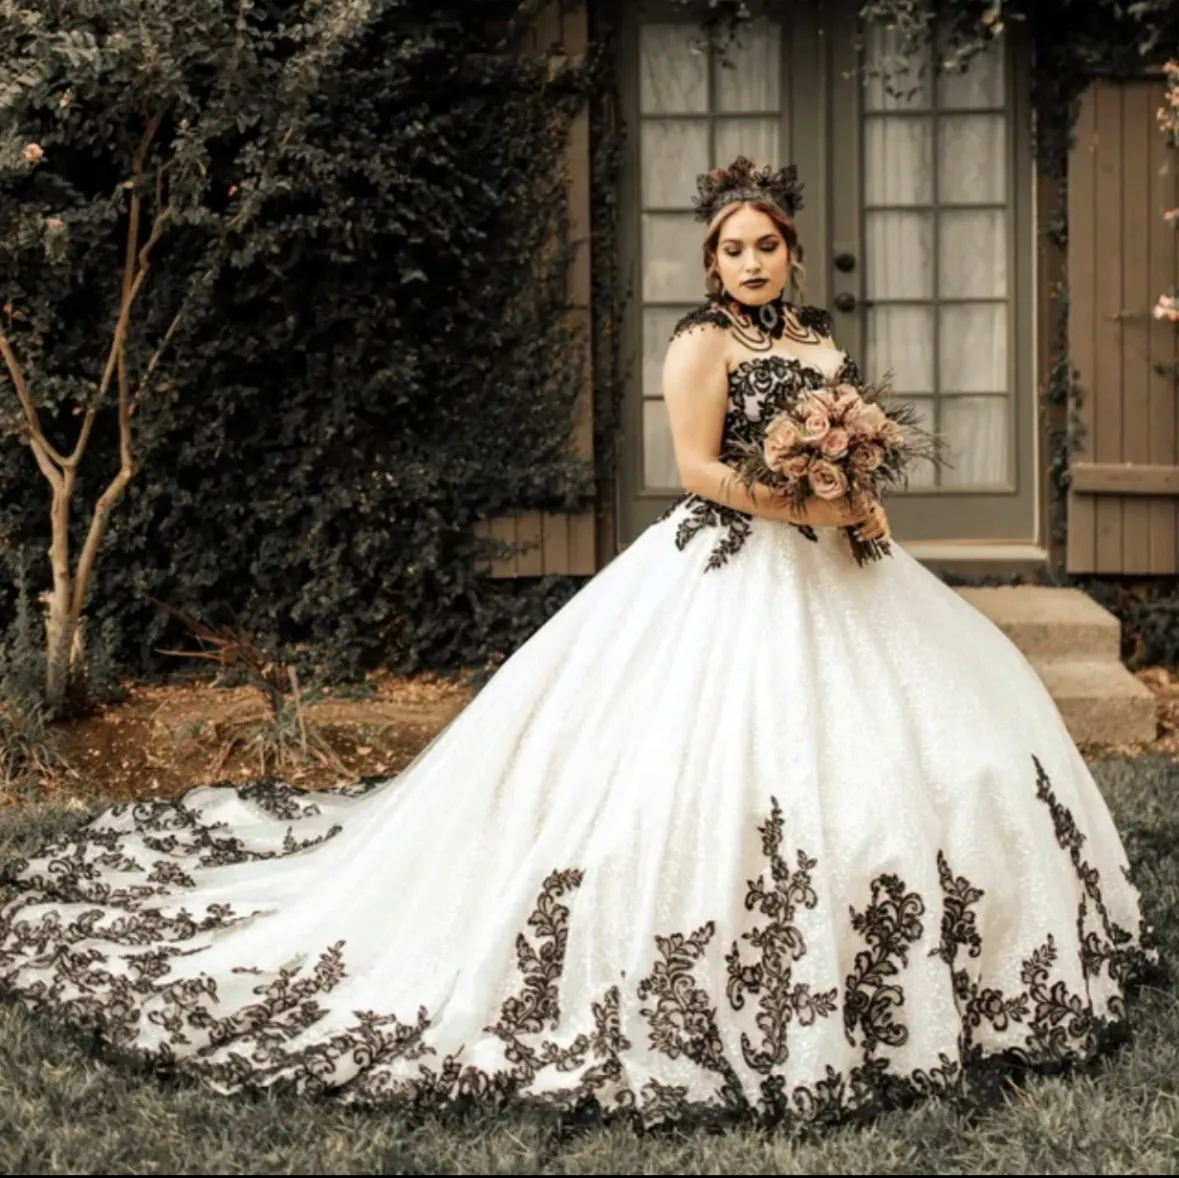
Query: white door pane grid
[(696, 112), (937, 253)]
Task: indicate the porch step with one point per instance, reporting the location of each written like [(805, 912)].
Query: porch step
[(1102, 703), (1048, 623), (1074, 644)]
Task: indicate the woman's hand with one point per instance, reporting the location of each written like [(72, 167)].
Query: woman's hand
[(874, 525), (865, 516), (827, 513)]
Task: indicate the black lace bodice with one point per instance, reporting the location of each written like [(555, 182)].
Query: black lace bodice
[(759, 388)]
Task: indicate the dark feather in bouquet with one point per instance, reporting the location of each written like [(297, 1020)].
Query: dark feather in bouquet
[(841, 443)]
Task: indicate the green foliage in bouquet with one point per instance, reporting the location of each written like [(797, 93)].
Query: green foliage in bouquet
[(285, 316)]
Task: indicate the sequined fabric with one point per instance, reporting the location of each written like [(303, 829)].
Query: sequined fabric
[(791, 843)]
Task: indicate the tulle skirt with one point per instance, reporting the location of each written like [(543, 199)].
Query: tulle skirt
[(776, 837)]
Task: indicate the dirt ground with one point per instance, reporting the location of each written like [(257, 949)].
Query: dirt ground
[(162, 740)]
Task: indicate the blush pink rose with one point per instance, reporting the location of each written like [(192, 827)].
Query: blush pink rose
[(864, 420), (872, 416), (891, 434), (844, 396), (796, 468), (867, 456), (781, 440), (835, 443), (815, 423), (827, 480), (783, 433)]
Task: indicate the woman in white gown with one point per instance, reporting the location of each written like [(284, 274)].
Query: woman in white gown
[(745, 829)]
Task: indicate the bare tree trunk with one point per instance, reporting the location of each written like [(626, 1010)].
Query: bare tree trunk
[(59, 642), (65, 656), (65, 602)]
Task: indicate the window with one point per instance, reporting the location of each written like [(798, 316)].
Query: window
[(694, 113), (937, 238)]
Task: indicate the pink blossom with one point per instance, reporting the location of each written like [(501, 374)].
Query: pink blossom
[(795, 468), (816, 420), (867, 456), (827, 480), (835, 443)]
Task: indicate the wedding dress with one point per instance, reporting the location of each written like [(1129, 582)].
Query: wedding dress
[(744, 829)]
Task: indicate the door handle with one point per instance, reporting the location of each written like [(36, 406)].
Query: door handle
[(846, 301)]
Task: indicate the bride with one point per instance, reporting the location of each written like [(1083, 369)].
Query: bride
[(743, 830)]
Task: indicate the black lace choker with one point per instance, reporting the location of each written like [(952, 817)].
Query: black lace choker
[(757, 325)]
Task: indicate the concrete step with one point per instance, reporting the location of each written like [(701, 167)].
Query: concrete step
[(1051, 624), (1100, 701), (1075, 646)]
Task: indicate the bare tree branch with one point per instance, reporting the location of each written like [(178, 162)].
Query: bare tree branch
[(42, 447), (108, 498), (135, 266), (153, 363), (102, 509)]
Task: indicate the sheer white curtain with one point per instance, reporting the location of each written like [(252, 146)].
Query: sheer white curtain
[(936, 254)]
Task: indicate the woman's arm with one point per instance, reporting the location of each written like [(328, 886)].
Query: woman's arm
[(696, 390)]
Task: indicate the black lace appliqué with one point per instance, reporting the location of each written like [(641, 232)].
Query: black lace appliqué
[(758, 389), (1045, 1026), (707, 314), (704, 513), (817, 319)]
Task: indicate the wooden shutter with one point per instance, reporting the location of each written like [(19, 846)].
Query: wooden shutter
[(1124, 493), (559, 543)]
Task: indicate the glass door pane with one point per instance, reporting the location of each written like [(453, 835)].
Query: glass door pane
[(695, 111), (934, 225), (937, 236)]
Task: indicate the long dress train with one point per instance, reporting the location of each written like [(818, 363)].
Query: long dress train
[(744, 829)]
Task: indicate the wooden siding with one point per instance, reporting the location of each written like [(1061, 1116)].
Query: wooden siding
[(1123, 505), (558, 543)]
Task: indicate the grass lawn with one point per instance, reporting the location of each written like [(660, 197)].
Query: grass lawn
[(61, 1112)]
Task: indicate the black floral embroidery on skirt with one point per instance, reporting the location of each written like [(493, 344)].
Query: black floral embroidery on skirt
[(250, 1047)]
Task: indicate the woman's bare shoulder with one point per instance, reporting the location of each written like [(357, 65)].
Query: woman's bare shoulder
[(699, 348), (701, 337)]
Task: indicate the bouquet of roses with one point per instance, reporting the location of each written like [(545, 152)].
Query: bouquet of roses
[(840, 442)]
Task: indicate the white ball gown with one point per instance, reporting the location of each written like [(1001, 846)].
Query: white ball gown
[(744, 830)]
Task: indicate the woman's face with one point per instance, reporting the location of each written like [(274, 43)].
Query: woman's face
[(752, 257)]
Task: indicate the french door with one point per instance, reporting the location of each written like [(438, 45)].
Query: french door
[(916, 225)]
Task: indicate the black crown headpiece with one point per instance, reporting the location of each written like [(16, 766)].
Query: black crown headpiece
[(744, 180)]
